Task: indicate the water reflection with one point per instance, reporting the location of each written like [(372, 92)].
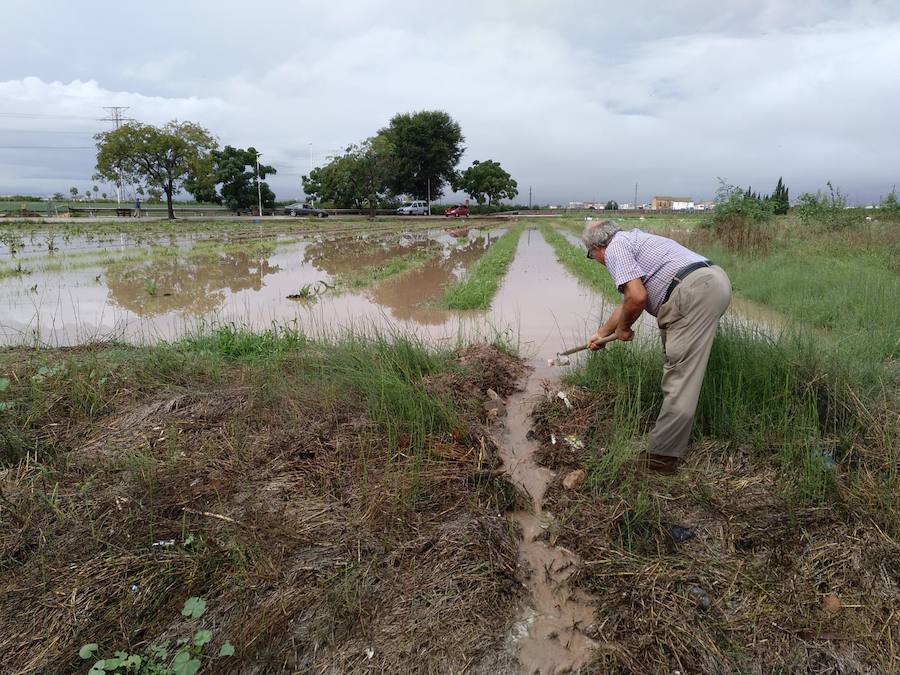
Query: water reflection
[(344, 256), (408, 295), (187, 285)]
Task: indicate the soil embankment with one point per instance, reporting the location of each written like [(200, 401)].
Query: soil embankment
[(337, 506)]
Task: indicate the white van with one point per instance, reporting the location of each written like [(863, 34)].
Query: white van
[(418, 208)]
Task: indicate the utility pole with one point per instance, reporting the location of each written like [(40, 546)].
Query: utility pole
[(310, 157), (115, 115), (529, 198), (258, 188), (635, 196)]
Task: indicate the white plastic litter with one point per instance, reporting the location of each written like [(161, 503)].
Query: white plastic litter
[(574, 442), (565, 399)]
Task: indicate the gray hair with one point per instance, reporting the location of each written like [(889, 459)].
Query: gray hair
[(599, 232)]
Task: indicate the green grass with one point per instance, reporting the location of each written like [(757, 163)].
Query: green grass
[(480, 284), (844, 292), (383, 371), (778, 398), (573, 258)]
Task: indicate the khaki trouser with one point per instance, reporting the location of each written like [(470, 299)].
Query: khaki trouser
[(687, 324)]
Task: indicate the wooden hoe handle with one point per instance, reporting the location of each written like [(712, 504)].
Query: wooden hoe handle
[(603, 341)]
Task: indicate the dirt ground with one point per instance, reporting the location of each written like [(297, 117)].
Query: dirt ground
[(317, 547), (716, 570)]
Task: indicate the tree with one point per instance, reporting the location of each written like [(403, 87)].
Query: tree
[(427, 146), (235, 170), (889, 207), (611, 205), (160, 157), (154, 195), (73, 191), (95, 190), (781, 201), (360, 178), (103, 195), (486, 180), (58, 196)]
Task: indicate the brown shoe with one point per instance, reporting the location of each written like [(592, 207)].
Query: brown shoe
[(658, 463)]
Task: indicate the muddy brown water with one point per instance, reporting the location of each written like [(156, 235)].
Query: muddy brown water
[(553, 630)]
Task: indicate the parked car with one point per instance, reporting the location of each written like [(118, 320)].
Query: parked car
[(299, 209), (458, 211), (417, 208)]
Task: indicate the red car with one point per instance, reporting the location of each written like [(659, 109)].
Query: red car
[(457, 211)]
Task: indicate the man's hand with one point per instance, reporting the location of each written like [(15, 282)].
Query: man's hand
[(595, 343), (624, 334)]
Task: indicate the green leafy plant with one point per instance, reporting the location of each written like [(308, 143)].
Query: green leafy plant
[(183, 658), (151, 286)]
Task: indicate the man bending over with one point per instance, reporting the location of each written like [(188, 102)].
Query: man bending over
[(688, 295)]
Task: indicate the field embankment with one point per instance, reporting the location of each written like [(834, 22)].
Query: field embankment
[(478, 287), (336, 504)]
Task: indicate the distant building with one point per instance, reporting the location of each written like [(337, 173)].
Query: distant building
[(705, 206), (672, 203)]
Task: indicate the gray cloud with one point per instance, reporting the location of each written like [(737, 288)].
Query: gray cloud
[(579, 101)]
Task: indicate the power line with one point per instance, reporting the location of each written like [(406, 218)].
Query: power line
[(47, 147), (32, 116), (45, 131)]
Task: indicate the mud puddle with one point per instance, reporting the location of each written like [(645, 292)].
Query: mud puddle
[(552, 633)]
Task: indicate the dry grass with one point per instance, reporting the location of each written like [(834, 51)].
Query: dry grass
[(313, 537), (791, 587)]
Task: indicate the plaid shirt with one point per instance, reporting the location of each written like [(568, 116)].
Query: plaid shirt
[(653, 259)]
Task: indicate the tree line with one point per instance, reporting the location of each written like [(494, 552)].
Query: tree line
[(415, 155)]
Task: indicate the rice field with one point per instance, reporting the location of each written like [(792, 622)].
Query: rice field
[(302, 424)]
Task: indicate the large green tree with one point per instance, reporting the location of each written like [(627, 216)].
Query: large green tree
[(426, 146), (233, 172), (486, 181), (158, 157), (360, 178)]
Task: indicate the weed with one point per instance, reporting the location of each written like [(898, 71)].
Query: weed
[(151, 287), (184, 658)]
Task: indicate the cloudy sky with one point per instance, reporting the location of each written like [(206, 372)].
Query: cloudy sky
[(579, 100)]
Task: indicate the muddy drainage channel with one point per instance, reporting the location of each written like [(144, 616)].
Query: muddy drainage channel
[(551, 634)]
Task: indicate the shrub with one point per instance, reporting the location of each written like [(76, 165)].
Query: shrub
[(889, 208), (741, 220), (825, 209)]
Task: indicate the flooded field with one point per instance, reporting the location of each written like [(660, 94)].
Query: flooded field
[(145, 291), (423, 468)]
